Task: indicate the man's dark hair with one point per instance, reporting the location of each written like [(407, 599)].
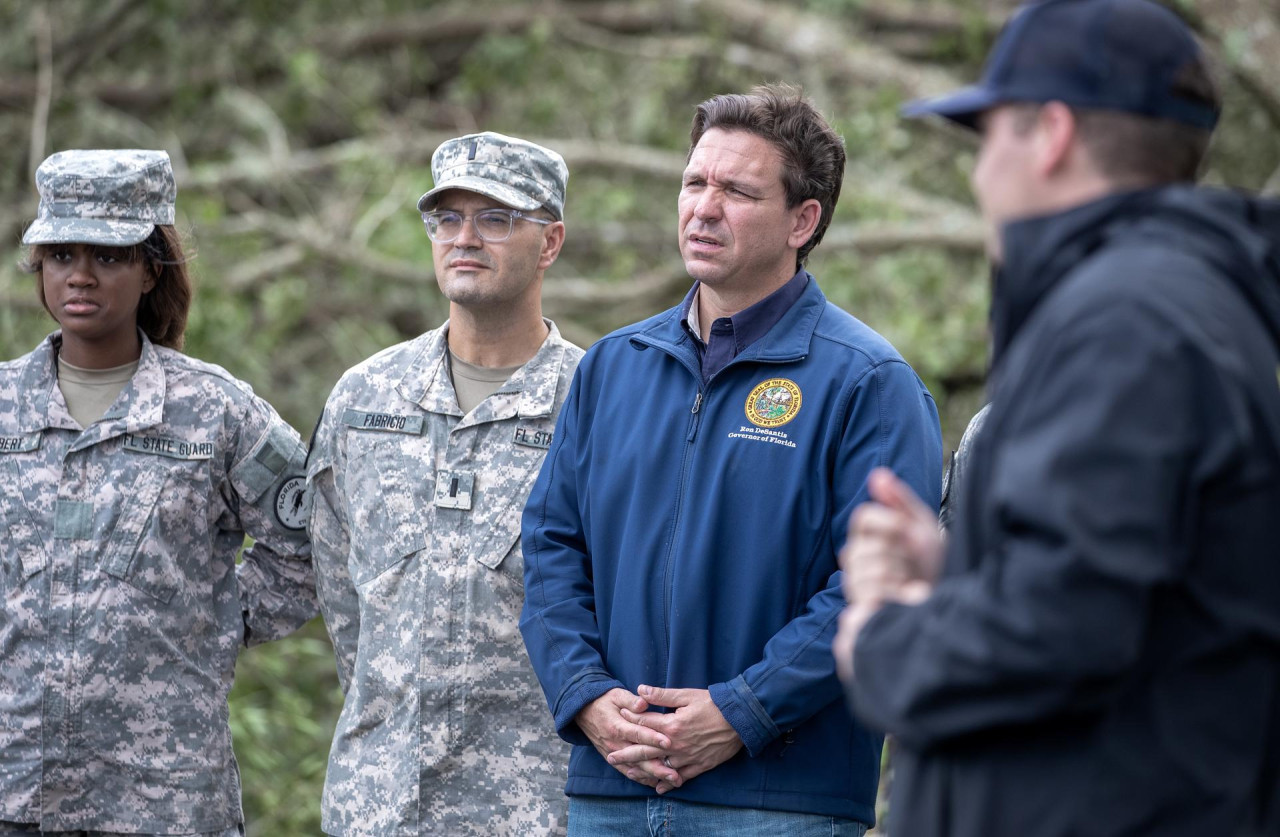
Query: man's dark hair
[(162, 312), (1134, 150), (812, 153)]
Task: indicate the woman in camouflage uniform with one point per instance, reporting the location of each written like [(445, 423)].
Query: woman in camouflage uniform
[(129, 477)]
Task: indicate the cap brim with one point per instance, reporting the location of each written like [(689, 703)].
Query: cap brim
[(500, 192), (87, 231), (962, 106)]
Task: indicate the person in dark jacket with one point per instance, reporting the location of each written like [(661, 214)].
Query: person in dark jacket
[(681, 541), (1097, 651)]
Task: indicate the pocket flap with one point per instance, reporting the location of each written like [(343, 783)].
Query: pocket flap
[(497, 546), (132, 522), (22, 536)]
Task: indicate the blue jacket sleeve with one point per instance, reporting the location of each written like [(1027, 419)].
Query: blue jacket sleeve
[(1088, 464), (558, 621), (890, 421)]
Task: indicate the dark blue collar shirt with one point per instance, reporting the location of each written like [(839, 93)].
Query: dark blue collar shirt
[(730, 336)]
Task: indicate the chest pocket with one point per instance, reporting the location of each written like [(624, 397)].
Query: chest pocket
[(504, 490), (24, 552), (152, 570), (389, 493)]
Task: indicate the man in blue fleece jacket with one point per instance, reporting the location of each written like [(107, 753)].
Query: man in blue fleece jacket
[(681, 542)]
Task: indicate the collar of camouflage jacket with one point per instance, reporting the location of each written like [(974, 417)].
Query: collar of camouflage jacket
[(530, 391), (140, 405)]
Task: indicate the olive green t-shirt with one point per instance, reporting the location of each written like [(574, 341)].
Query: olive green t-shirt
[(474, 384), (90, 392)]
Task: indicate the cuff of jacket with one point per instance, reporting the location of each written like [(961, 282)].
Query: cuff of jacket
[(745, 714), (580, 691)]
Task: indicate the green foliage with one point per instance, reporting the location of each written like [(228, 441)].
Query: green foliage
[(283, 712)]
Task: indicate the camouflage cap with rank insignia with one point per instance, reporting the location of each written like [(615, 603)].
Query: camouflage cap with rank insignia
[(515, 172), (110, 197)]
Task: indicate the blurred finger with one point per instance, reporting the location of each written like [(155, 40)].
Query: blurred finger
[(885, 488)]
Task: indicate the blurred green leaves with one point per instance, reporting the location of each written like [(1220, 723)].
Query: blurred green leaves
[(283, 711)]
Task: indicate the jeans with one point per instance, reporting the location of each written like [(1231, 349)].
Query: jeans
[(601, 816)]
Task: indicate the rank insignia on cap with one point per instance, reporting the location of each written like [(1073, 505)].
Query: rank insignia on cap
[(773, 403)]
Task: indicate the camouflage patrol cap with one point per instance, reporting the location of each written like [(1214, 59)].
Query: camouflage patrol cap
[(111, 197), (515, 172)]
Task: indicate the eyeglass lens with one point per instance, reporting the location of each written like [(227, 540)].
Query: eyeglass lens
[(491, 225)]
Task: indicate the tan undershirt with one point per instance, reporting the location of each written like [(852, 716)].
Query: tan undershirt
[(474, 384), (90, 392)]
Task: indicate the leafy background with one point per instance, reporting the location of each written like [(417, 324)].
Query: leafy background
[(302, 132)]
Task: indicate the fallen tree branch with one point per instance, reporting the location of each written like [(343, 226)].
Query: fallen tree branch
[(416, 148), (669, 47), (961, 235), (100, 38), (464, 22), (814, 39), (44, 86)]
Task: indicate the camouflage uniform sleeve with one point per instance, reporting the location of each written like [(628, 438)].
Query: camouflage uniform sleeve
[(330, 543), (267, 476)]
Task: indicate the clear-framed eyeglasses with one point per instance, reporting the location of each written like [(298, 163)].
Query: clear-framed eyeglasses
[(492, 225)]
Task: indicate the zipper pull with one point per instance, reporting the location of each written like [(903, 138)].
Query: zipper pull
[(697, 402)]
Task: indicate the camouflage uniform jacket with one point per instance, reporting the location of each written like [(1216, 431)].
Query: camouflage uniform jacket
[(416, 527), (121, 605)]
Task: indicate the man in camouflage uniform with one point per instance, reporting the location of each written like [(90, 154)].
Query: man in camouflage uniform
[(122, 607), (420, 467)]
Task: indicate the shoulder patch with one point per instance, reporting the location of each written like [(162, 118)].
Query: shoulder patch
[(773, 403), (383, 422), (291, 505)]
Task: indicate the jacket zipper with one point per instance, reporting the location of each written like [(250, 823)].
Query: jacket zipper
[(695, 420)]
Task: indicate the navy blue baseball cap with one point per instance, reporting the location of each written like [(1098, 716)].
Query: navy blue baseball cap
[(1122, 55)]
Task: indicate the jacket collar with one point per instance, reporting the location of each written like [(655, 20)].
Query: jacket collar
[(530, 392), (1039, 251), (1235, 232), (787, 340), (139, 406), (754, 321)]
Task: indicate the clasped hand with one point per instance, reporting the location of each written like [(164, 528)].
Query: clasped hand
[(660, 750)]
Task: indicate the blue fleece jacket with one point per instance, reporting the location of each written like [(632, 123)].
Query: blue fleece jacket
[(686, 535)]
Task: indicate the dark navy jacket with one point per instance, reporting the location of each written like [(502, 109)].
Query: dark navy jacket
[(671, 540), (1103, 654)]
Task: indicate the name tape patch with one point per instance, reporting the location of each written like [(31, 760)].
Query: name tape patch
[(533, 438), (19, 444), (168, 446), (383, 422)]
